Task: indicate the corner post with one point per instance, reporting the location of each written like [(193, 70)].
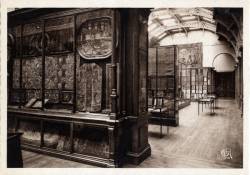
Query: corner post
[(43, 63), (113, 95)]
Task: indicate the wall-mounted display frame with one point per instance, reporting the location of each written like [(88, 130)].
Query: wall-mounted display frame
[(95, 39)]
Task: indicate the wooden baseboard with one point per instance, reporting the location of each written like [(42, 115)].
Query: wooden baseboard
[(167, 121), (137, 158), (92, 160)]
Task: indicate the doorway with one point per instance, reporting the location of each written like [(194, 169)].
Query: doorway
[(225, 84)]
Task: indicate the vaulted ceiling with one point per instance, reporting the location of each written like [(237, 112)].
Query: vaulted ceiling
[(226, 22)]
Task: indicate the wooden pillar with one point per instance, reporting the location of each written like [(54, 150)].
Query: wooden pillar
[(123, 63), (43, 63), (41, 133), (136, 83), (156, 75), (190, 81), (71, 137), (74, 50), (113, 95), (12, 55), (111, 138), (176, 116), (21, 67), (241, 85)]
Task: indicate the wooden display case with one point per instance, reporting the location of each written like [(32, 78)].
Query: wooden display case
[(183, 85), (162, 81), (87, 68)]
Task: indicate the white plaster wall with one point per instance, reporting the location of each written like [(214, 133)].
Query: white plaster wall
[(224, 63), (210, 44)]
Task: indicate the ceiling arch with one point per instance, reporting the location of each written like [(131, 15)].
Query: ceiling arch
[(226, 22), (168, 21)]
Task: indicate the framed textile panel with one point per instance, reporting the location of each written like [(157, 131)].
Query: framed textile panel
[(59, 72), (95, 39), (32, 73), (190, 54), (32, 77), (89, 80)]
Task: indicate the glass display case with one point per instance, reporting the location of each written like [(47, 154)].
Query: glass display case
[(162, 89), (202, 82), (78, 83), (183, 85)]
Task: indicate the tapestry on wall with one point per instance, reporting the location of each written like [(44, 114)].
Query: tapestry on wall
[(94, 34), (94, 39), (58, 76), (89, 87), (32, 77), (190, 54)]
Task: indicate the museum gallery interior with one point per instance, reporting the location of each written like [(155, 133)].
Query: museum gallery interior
[(125, 87)]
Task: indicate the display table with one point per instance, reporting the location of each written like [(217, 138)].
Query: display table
[(214, 97), (206, 101)]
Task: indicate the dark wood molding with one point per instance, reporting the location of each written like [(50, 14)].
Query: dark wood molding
[(41, 133), (71, 137), (112, 126), (114, 58), (21, 67), (75, 66), (34, 14)]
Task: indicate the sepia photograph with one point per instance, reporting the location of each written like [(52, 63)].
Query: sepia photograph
[(119, 87)]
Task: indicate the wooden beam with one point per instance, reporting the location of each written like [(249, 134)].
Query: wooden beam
[(75, 62), (158, 21), (114, 56), (21, 67), (177, 18), (43, 63)]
